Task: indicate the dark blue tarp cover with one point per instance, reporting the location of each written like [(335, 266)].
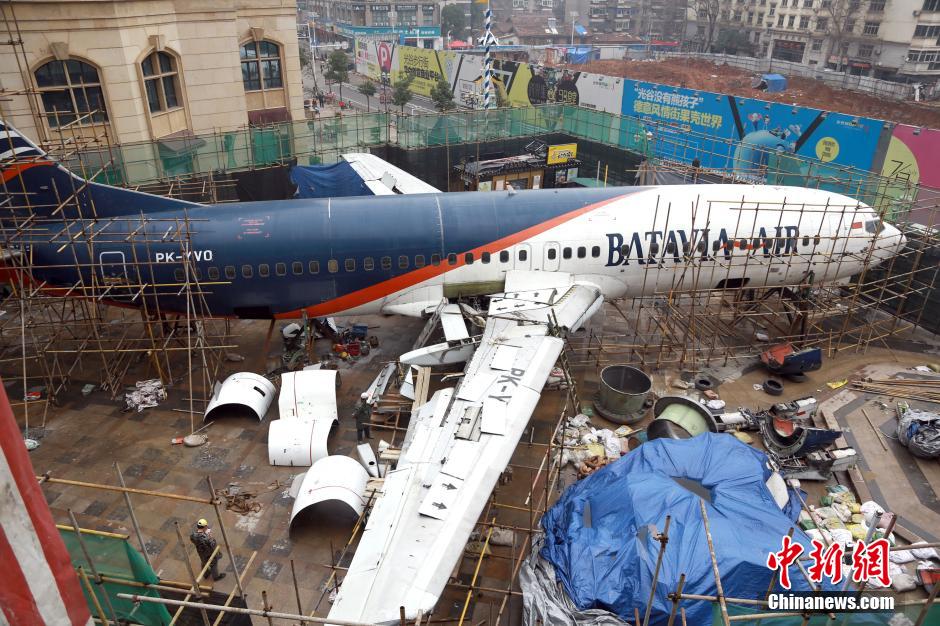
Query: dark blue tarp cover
[(580, 54), (608, 562), (328, 181)]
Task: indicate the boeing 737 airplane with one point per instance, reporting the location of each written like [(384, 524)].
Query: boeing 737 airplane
[(547, 258)]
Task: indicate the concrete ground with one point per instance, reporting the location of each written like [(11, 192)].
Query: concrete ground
[(88, 435)]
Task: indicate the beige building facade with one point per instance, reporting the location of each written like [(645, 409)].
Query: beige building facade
[(146, 70)]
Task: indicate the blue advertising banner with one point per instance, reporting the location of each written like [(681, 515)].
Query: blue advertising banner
[(747, 135)]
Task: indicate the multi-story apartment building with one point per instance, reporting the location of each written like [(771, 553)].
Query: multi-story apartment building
[(655, 19), (890, 39), (145, 70), (418, 21)]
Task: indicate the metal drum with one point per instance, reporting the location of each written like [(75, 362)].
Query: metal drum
[(679, 418), (624, 393)]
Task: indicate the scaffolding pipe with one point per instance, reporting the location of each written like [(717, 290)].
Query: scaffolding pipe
[(241, 611)]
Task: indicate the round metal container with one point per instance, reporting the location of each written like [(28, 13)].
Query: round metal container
[(623, 394), (679, 418)]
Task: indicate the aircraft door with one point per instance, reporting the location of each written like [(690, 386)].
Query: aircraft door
[(113, 268), (551, 256), (523, 257)]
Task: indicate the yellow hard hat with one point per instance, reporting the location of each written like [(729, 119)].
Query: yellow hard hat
[(202, 523)]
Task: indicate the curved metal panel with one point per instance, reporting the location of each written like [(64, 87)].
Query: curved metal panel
[(242, 389), (335, 478), (307, 406)]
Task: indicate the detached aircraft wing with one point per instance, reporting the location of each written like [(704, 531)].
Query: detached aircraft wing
[(456, 447), (384, 179)]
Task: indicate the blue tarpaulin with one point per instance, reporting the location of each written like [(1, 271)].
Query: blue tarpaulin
[(599, 536), (581, 30), (328, 181), (581, 54), (775, 83)]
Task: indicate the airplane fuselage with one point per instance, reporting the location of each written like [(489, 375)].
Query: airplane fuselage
[(400, 254)]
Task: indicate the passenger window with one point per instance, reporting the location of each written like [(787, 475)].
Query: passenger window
[(368, 264), (179, 274), (280, 269), (213, 273), (671, 248), (435, 259), (716, 246), (523, 254), (386, 262), (230, 272), (485, 257), (247, 271), (595, 251), (805, 241), (654, 248), (403, 262), (350, 265), (552, 253), (419, 260), (816, 240), (468, 258), (197, 272), (313, 267), (686, 248), (743, 244), (582, 252), (297, 268), (264, 270), (702, 246), (566, 253), (452, 259), (332, 266), (768, 243), (624, 249), (504, 256)]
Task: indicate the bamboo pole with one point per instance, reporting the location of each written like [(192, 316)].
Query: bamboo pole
[(241, 611)]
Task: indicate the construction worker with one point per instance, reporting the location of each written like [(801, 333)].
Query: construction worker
[(205, 544), (363, 415)]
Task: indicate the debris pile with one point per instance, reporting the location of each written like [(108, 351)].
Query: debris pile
[(589, 448), (146, 394)]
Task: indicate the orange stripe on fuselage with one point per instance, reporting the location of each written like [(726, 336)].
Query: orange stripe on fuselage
[(18, 168), (410, 279)]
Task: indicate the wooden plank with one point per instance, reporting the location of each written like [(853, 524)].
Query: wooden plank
[(422, 384)]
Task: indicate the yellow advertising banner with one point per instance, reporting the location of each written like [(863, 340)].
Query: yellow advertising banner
[(562, 153)]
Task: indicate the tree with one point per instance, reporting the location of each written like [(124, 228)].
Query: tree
[(733, 42), (840, 17), (337, 69), (502, 99), (306, 59), (453, 21), (368, 90), (401, 93), (442, 96), (706, 13)]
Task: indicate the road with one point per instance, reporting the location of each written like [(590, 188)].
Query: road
[(418, 104)]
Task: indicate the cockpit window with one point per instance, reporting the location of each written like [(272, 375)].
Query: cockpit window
[(874, 226)]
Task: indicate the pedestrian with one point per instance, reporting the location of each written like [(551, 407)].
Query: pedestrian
[(205, 545), (320, 98), (363, 418)]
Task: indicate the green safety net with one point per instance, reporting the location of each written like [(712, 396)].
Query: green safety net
[(114, 557), (842, 619), (324, 140)]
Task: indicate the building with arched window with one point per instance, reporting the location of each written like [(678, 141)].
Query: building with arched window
[(151, 70)]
